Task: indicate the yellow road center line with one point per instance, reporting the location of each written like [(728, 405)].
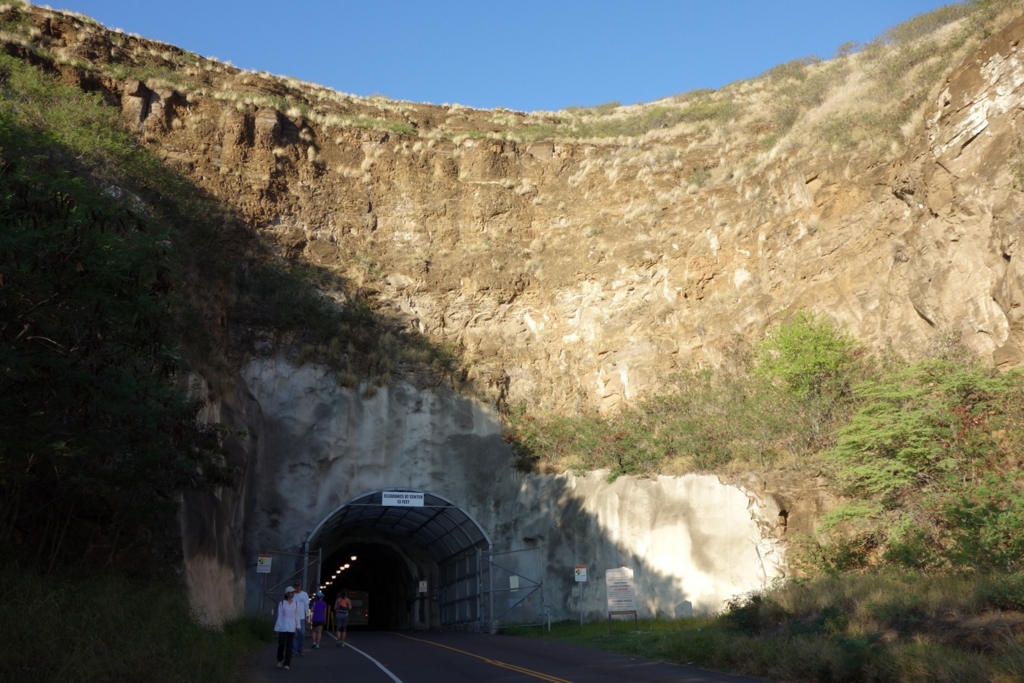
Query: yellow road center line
[(495, 662)]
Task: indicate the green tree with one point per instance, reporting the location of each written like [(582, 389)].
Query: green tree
[(97, 433), (930, 459)]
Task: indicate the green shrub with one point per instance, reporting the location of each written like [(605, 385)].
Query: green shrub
[(1001, 591), (915, 425), (985, 525), (929, 454), (809, 356)]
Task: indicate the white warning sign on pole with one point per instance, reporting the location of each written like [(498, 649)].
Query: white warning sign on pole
[(263, 564)]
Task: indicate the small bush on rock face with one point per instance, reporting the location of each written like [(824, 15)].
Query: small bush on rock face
[(809, 356)]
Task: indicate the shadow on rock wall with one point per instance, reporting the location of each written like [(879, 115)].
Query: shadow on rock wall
[(312, 445)]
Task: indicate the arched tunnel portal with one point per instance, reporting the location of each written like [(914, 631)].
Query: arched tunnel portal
[(419, 562)]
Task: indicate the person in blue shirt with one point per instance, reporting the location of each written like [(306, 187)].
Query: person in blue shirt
[(319, 619)]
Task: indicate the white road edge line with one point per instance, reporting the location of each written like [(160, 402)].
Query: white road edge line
[(380, 666)]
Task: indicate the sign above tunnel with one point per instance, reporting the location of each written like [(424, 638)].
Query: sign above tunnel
[(404, 499)]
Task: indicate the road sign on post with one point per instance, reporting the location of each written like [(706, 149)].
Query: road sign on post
[(263, 564), (580, 574)]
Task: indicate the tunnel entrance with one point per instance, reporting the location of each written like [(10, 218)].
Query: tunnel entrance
[(416, 556)]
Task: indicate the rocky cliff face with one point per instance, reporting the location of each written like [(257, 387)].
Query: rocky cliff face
[(961, 184), (575, 274)]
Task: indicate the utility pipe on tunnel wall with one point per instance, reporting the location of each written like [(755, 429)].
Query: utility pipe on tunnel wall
[(305, 565)]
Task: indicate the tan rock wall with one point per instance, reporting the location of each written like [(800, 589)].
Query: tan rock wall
[(584, 272)]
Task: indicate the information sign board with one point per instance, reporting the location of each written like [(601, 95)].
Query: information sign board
[(581, 573), (621, 591), (263, 564), (408, 499)]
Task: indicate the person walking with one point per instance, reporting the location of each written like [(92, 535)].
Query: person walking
[(342, 605), (319, 619), (302, 603), (285, 626)]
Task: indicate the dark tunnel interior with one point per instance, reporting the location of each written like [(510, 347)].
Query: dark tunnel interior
[(382, 573), (390, 546)]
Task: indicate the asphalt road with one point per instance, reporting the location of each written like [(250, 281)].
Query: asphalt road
[(447, 657)]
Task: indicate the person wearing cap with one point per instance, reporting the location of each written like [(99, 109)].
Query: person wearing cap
[(288, 621), (319, 619)]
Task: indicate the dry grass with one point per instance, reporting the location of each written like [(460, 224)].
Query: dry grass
[(862, 100), (877, 627)]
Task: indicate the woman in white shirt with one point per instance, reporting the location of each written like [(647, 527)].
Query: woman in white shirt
[(288, 619)]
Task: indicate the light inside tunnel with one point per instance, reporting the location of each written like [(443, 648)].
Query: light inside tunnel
[(384, 576), (402, 552)]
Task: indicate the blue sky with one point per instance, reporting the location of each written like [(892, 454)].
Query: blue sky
[(526, 55)]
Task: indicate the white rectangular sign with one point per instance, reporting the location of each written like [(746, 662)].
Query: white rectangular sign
[(621, 591), (404, 499), (581, 573), (423, 588), (263, 564)]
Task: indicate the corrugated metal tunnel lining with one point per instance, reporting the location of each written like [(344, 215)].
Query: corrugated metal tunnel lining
[(431, 542), (438, 526)]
